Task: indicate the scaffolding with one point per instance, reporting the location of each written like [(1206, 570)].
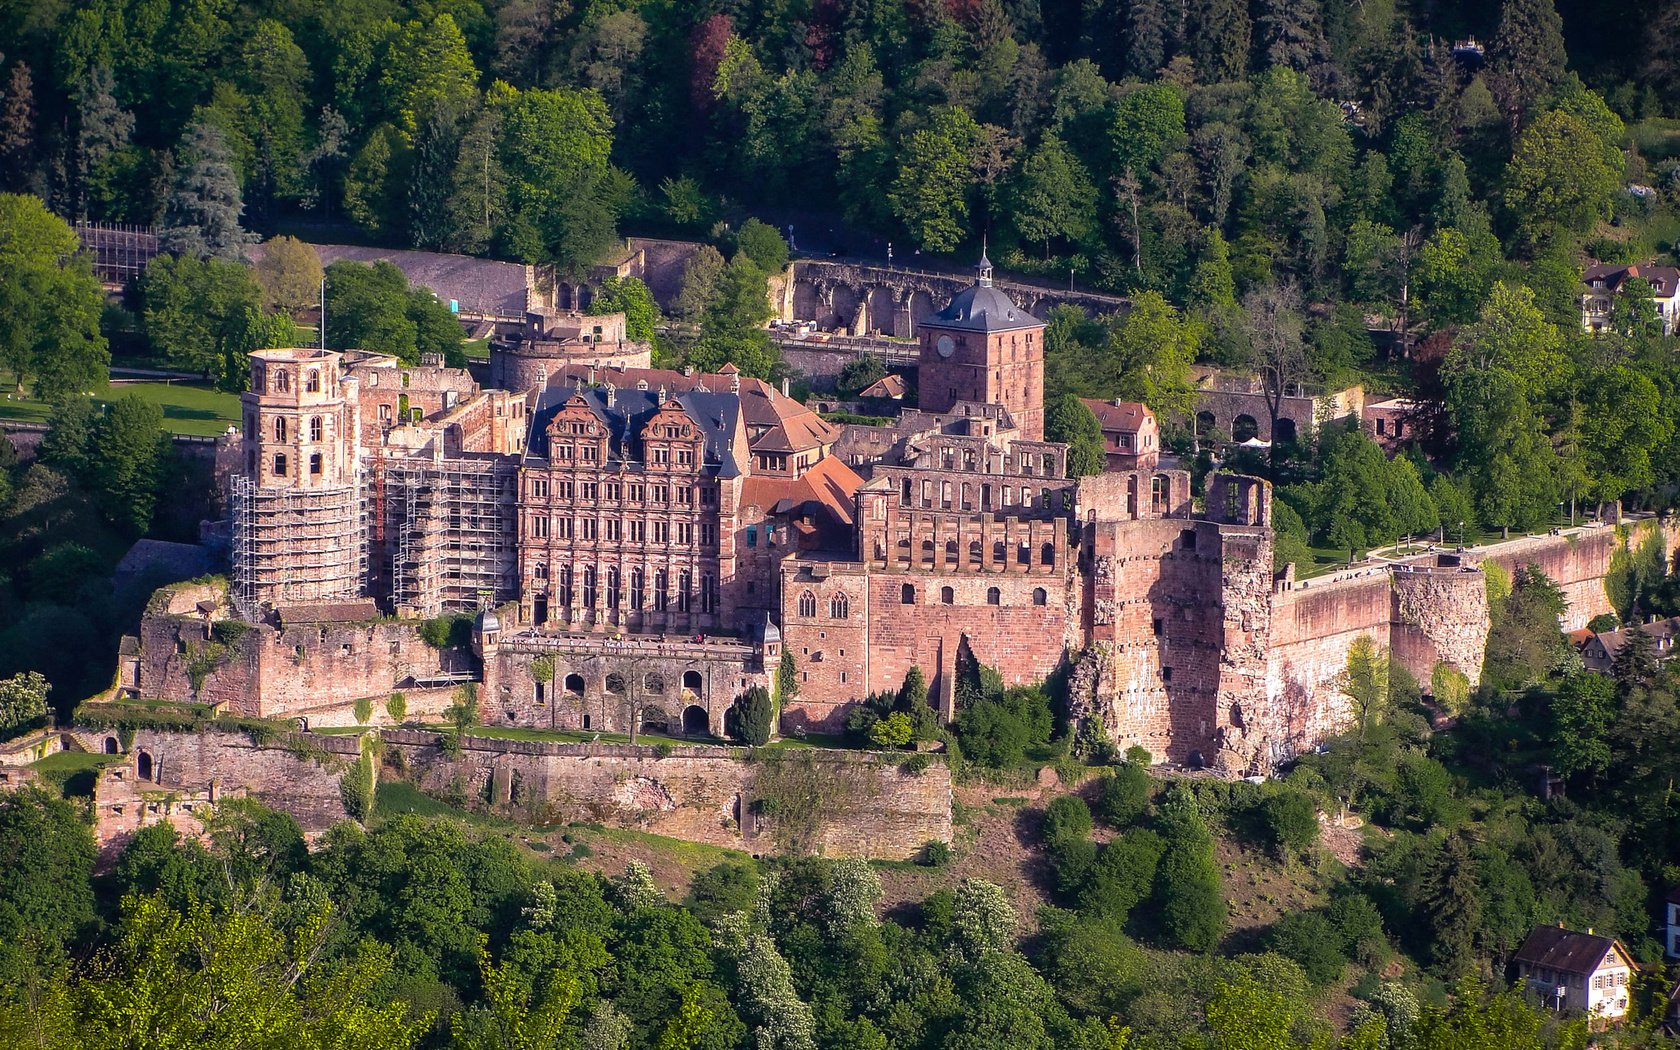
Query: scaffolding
[(449, 527), (296, 545), (119, 253)]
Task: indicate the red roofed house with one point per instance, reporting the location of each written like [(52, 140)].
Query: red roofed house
[(1603, 282), (1580, 972), (1131, 438)]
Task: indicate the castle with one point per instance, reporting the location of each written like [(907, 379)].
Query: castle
[(640, 545)]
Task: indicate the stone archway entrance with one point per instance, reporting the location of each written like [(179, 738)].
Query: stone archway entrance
[(695, 721), (143, 766)]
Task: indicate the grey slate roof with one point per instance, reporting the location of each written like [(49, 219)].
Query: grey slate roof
[(981, 307), (625, 412)]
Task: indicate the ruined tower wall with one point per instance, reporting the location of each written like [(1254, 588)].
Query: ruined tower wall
[(1440, 616)]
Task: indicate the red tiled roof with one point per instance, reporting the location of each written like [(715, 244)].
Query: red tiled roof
[(891, 385), (830, 483), (1124, 415)]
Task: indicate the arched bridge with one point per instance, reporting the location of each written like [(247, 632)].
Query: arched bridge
[(864, 299)]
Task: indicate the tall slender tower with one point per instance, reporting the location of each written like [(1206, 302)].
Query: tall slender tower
[(299, 527), (982, 347)]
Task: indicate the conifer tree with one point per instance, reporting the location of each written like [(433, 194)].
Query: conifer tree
[(103, 129), (202, 216), (1635, 663), (1527, 57), (17, 130), (1451, 900)]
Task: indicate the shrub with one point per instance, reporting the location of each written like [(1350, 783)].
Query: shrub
[(1073, 862), (364, 709), (1291, 822), (1123, 875), (936, 854), (542, 669), (892, 731), (397, 707), (1125, 795), (228, 632), (1188, 890), (917, 764), (1308, 938), (450, 631), (1066, 819)]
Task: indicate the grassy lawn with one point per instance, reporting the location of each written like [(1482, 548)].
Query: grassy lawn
[(65, 763), (188, 408), (477, 349), (399, 796)]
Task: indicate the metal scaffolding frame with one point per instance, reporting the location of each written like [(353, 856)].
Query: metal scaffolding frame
[(297, 545), (453, 526)]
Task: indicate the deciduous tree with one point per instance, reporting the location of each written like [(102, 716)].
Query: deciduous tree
[(50, 303)]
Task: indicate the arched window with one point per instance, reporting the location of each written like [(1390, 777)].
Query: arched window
[(1000, 554), (994, 596), (974, 552), (1023, 554), (907, 594), (660, 585), (1041, 596), (613, 587), (280, 429), (839, 607), (951, 550), (927, 547), (316, 430), (807, 604), (638, 587), (282, 380), (313, 385), (1048, 554), (947, 596)]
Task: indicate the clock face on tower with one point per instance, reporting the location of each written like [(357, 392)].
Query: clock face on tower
[(945, 346)]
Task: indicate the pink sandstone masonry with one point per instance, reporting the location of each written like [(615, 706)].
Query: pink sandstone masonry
[(871, 805)]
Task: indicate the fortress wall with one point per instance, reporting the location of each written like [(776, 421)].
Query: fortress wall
[(303, 670), (871, 807), (1152, 582), (305, 787), (1577, 563), (1440, 616), (1023, 640), (1313, 626)]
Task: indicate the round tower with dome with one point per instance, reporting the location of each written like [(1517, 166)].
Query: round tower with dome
[(983, 347)]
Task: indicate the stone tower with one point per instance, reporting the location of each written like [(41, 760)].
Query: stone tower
[(982, 347), (299, 526)]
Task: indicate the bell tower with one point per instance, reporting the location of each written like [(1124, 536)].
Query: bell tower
[(984, 348)]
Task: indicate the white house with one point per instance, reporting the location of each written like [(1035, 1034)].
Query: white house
[(1603, 281), (1671, 923), (1576, 972)]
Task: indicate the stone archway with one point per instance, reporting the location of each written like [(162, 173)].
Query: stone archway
[(1244, 427), (111, 746), (655, 720), (695, 721), (574, 685), (144, 767), (693, 683)]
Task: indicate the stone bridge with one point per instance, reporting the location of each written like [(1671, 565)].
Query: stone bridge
[(862, 299)]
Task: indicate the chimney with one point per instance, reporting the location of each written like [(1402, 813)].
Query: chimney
[(688, 370), (591, 375), (784, 386)]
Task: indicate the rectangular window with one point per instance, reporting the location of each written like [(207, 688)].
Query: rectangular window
[(638, 532), (752, 533), (589, 525), (615, 529), (539, 528), (662, 532), (539, 488), (565, 490), (565, 528)]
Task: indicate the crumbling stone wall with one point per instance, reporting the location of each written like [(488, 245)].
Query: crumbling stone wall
[(871, 805), (1440, 616), (599, 685), (302, 670), (301, 780)]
